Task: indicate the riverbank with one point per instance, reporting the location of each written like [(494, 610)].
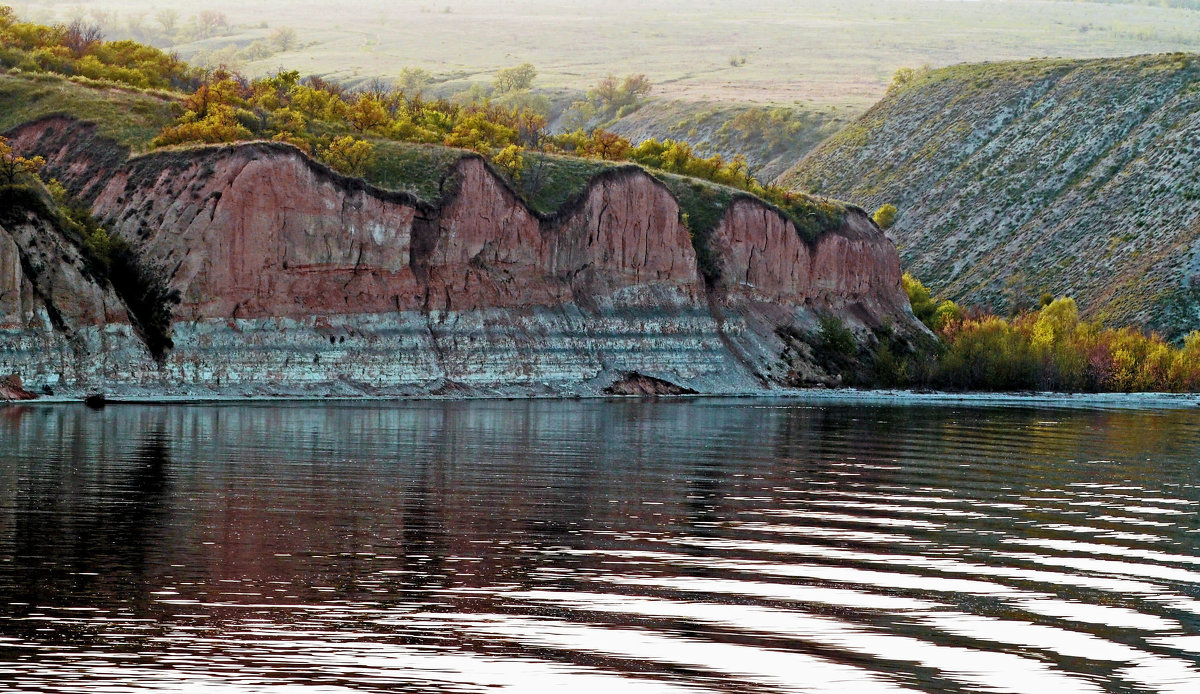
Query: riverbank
[(843, 396)]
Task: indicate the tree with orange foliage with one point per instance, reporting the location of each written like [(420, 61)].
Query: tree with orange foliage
[(531, 127), (210, 115), (219, 125), (221, 89), (367, 113), (608, 145)]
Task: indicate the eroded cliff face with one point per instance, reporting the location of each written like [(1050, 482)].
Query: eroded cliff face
[(58, 321), (257, 234), (778, 285), (296, 280)]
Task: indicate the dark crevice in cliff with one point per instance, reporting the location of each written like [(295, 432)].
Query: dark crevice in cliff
[(53, 312), (439, 353), (143, 293), (148, 299), (22, 206), (422, 243)]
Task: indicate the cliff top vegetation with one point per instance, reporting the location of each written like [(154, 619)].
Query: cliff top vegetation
[(720, 71), (145, 99)]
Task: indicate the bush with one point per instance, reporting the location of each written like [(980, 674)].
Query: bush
[(221, 124), (510, 162), (835, 338), (905, 76), (349, 155), (413, 80), (513, 79), (14, 166), (79, 50), (1050, 349), (885, 216), (479, 133), (612, 93), (935, 315), (366, 113)]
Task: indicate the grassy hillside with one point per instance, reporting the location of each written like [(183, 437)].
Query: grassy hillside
[(131, 117), (1075, 178), (772, 138)]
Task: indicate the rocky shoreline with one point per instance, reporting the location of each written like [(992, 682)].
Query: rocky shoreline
[(814, 396)]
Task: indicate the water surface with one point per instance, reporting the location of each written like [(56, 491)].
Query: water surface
[(687, 546)]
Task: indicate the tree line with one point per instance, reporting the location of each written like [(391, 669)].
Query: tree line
[(1049, 349)]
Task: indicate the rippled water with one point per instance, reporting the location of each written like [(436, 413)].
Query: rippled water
[(733, 546)]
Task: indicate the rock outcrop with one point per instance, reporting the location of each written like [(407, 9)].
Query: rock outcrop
[(296, 280), (1072, 177), (11, 388), (59, 323)]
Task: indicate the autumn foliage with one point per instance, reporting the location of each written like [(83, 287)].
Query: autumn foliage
[(317, 115), (885, 216), (13, 165), (1048, 349), (78, 50), (349, 155), (312, 113)]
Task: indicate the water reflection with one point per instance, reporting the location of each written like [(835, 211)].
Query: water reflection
[(672, 546)]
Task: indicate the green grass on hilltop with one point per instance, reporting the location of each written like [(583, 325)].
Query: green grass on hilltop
[(562, 179), (129, 116), (704, 204), (416, 168), (983, 76), (421, 169)]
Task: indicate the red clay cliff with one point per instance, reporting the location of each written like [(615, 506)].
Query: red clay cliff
[(293, 279)]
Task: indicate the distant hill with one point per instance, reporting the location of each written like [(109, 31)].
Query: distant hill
[(1073, 177), (772, 138)]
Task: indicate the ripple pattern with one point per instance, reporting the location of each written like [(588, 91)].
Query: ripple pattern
[(694, 546)]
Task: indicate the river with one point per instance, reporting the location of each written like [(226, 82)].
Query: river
[(611, 546)]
